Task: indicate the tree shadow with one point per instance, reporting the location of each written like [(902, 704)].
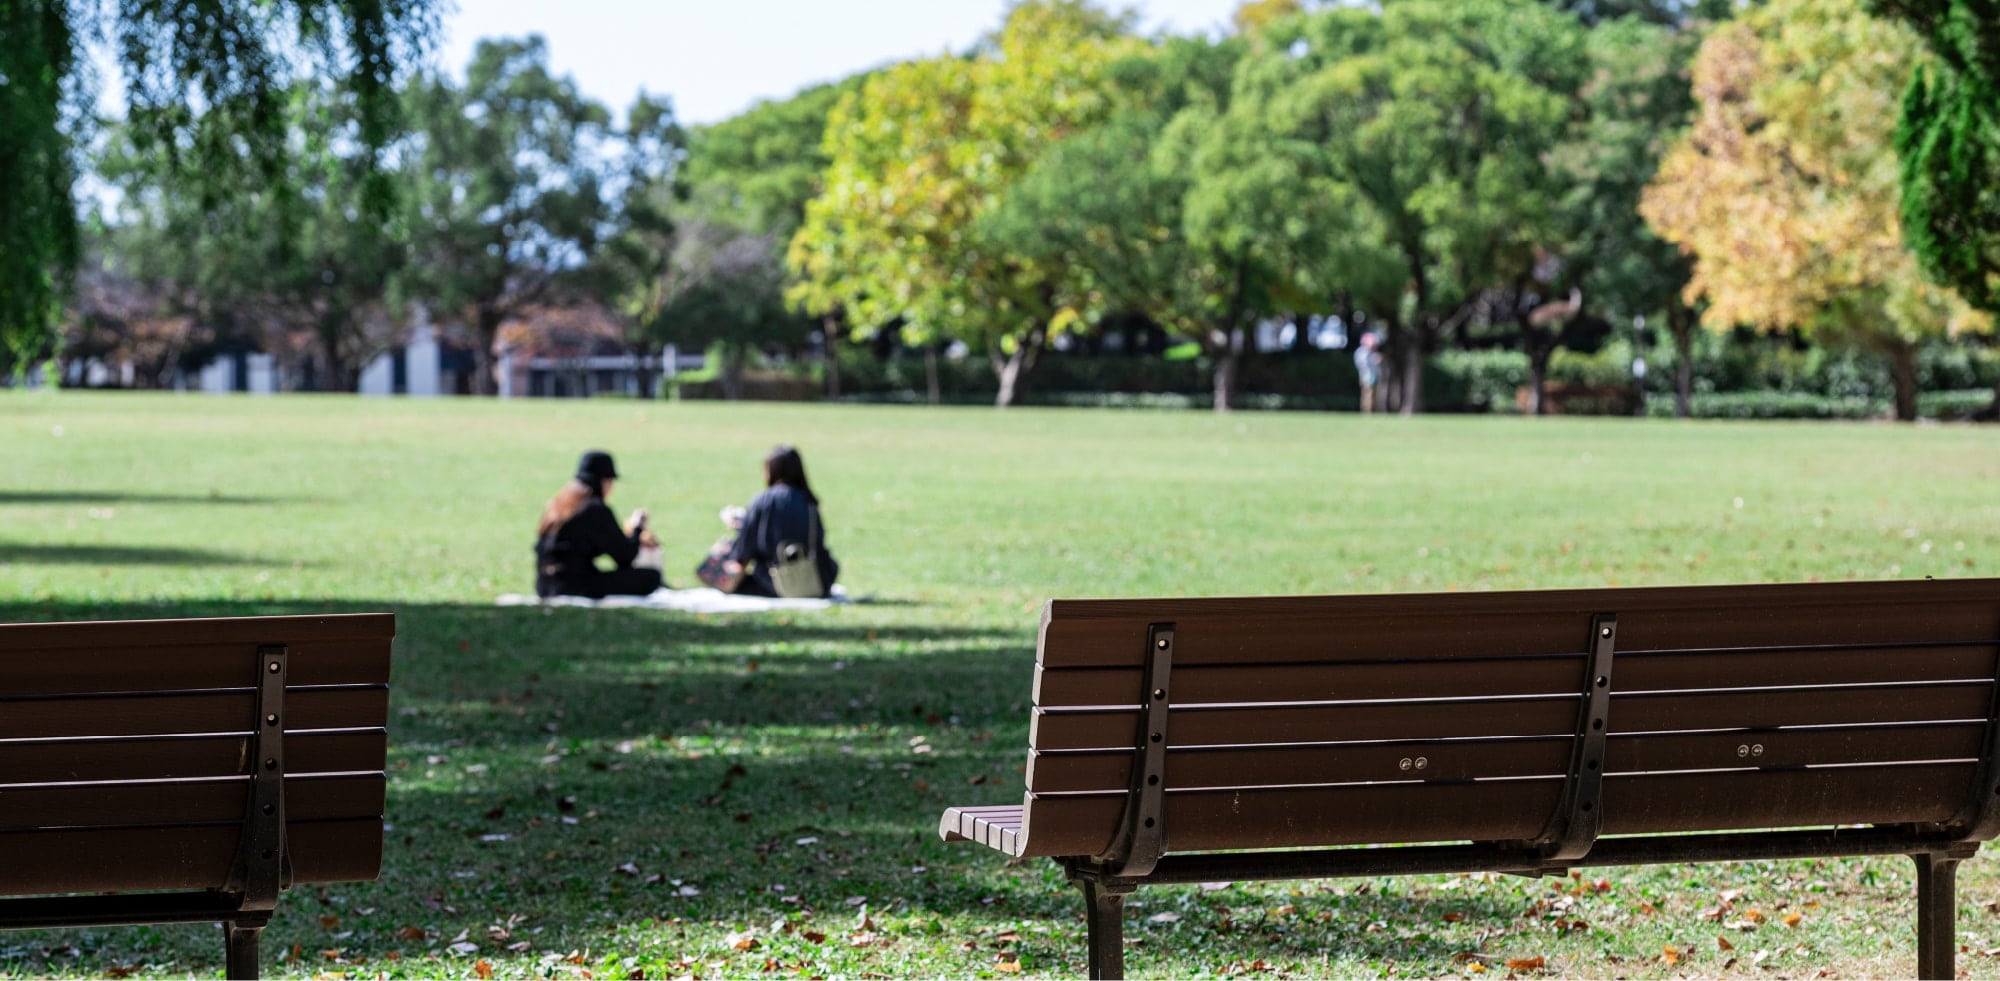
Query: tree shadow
[(123, 555), (127, 497)]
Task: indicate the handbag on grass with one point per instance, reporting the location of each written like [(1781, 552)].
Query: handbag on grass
[(796, 573), (713, 570)]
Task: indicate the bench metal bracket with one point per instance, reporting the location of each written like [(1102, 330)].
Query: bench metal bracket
[(1980, 820), (1573, 830), (1143, 836), (262, 867)]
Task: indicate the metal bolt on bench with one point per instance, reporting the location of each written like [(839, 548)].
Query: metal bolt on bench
[(1180, 741)]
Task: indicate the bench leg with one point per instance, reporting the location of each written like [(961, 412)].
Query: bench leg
[(1104, 914), (241, 937), (1937, 913)]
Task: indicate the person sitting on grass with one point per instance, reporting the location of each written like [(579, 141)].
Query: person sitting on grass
[(577, 527), (780, 549)]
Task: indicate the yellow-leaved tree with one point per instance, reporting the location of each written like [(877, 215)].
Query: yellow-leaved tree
[(921, 153), (1785, 190)]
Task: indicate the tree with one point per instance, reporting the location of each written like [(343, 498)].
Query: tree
[(507, 190), (1948, 139), (206, 83), (1438, 119), (920, 154), (748, 178), (1785, 189), (1638, 99), (293, 269)]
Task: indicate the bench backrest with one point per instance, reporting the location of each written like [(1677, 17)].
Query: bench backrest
[(1297, 722), (125, 749)]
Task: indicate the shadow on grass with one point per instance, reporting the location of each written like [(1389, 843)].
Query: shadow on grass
[(584, 776), (126, 497), (122, 555)]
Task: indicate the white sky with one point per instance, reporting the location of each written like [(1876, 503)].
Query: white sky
[(715, 58)]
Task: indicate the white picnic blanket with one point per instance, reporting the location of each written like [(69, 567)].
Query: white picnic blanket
[(702, 600)]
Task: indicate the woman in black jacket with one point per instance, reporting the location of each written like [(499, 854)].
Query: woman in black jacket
[(784, 517), (577, 527)]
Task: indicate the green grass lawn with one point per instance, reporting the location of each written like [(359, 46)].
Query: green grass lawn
[(619, 793)]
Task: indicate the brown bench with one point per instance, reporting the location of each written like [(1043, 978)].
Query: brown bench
[(197, 768), (1527, 732)]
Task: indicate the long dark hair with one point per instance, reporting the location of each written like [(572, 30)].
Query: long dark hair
[(785, 466), (564, 505)]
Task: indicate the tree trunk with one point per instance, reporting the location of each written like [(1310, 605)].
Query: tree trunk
[(1680, 323), (486, 325), (1903, 371), (1410, 366), (829, 332), (931, 386), (732, 372), (1225, 371), (1538, 379), (1014, 369)]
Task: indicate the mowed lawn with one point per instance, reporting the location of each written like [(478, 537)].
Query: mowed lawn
[(626, 793)]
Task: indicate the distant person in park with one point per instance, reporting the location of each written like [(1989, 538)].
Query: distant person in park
[(1368, 367), (577, 527), (780, 545)]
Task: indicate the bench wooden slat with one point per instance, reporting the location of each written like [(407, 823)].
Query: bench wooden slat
[(1678, 711), (1200, 684), (170, 757), (1063, 729), (997, 827), (1661, 803), (188, 667), (1112, 633), (1257, 639), (1640, 671), (171, 802), (1654, 752), (134, 859), (75, 635), (139, 715), (1268, 766), (1300, 817)]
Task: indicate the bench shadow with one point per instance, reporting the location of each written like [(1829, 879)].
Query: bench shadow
[(128, 497), (123, 555)]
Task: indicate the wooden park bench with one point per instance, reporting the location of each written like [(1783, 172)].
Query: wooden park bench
[(195, 768), (1178, 741)]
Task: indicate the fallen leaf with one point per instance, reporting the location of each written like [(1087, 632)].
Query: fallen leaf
[(483, 970), (813, 936), (742, 941), (329, 922), (1164, 918), (464, 947), (1476, 967), (1008, 967), (1453, 917), (1754, 916), (1724, 944), (627, 869), (1792, 919), (1535, 963), (413, 933), (1670, 955)]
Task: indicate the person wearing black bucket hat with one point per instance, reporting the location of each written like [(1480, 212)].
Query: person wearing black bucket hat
[(577, 526)]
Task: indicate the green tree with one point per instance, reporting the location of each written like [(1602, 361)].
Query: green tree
[(206, 84), (1638, 99), (1949, 141), (1785, 189), (920, 154), (1437, 119), (507, 197)]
